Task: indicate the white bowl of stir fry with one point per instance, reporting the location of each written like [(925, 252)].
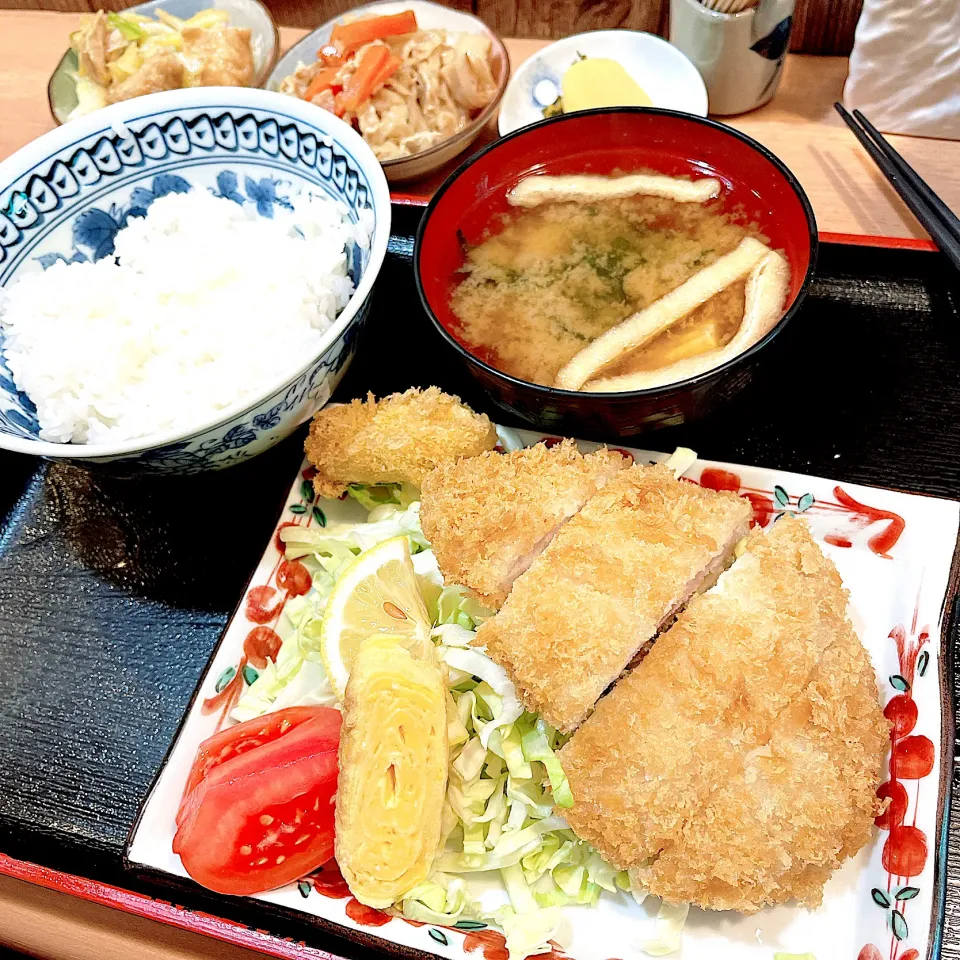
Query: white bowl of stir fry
[(417, 80), (162, 45)]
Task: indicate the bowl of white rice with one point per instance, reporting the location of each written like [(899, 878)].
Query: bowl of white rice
[(182, 278)]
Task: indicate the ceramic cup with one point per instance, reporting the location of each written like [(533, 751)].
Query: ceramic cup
[(739, 55)]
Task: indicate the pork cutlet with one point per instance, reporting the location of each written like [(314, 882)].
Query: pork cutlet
[(736, 766), (606, 584), (489, 517)]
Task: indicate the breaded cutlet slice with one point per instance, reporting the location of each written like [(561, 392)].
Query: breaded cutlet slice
[(736, 766), (609, 580), (398, 439), (489, 517)]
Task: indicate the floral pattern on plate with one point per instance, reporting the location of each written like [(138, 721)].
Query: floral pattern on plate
[(894, 551)]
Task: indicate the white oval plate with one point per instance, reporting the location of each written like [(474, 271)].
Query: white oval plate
[(670, 80)]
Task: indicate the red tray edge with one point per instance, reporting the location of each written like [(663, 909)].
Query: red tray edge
[(161, 911)]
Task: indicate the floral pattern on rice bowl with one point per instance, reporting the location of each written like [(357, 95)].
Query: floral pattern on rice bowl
[(78, 193)]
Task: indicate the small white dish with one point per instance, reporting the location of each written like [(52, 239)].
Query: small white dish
[(670, 80)]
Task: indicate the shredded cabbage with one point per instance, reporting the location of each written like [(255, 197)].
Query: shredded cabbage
[(373, 497), (440, 899), (668, 926), (297, 676), (506, 785), (528, 933)]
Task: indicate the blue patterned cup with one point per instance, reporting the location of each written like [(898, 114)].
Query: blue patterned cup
[(66, 195)]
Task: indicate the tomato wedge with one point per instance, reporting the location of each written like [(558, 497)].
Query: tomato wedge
[(238, 739), (258, 808)]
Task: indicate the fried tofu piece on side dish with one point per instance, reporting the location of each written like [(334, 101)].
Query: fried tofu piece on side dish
[(398, 439), (489, 517), (606, 584), (736, 766)]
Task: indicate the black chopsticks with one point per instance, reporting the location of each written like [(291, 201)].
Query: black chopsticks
[(938, 219)]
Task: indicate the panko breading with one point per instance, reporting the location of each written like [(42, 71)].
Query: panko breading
[(606, 584), (736, 766), (398, 439), (489, 517)]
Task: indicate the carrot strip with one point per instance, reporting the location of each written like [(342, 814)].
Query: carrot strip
[(386, 72), (349, 37), (324, 80), (377, 65)]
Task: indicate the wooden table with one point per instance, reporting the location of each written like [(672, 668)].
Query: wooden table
[(849, 194), (46, 924)]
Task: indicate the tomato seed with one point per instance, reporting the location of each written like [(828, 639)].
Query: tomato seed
[(261, 861), (280, 859), (392, 610), (266, 819), (246, 850), (302, 839)]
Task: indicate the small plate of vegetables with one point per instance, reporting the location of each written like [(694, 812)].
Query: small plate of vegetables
[(162, 45)]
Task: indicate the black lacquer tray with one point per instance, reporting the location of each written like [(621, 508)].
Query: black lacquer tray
[(114, 592)]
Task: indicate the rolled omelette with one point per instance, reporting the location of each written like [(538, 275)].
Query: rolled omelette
[(393, 771)]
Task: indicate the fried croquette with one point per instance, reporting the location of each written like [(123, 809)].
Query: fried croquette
[(610, 579), (489, 517), (398, 439), (736, 766)]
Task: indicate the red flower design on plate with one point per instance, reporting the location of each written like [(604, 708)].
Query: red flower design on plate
[(264, 603), (767, 503), (294, 578), (912, 757), (366, 916), (492, 944), (262, 643), (329, 882)]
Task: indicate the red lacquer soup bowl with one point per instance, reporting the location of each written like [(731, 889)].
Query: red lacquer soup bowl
[(757, 188)]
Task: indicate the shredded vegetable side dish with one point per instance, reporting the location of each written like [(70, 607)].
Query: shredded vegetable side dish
[(125, 56), (404, 89)]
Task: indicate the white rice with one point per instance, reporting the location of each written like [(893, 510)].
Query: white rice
[(209, 305)]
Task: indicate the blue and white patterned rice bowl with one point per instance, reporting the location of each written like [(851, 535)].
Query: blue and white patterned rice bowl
[(65, 196)]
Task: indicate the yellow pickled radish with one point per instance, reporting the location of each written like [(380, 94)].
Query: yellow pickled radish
[(599, 82), (393, 770)]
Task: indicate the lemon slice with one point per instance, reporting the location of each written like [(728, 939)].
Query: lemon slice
[(377, 594)]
